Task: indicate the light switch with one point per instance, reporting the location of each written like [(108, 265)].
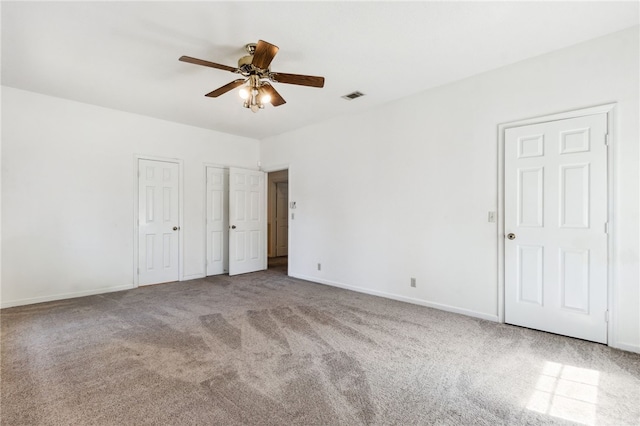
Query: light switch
[(492, 216)]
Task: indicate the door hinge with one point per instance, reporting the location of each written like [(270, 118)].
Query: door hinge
[(606, 139), (606, 316), (606, 228)]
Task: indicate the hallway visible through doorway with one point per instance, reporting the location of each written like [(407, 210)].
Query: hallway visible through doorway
[(279, 264), (278, 219)]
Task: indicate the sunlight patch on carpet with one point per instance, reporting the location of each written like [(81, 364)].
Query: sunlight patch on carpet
[(566, 392)]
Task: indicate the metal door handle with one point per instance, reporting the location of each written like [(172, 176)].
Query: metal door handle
[(233, 227), (511, 236), (176, 228)]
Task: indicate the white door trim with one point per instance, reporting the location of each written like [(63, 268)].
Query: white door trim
[(136, 169), (610, 110)]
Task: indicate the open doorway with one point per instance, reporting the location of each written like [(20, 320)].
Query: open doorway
[(278, 220)]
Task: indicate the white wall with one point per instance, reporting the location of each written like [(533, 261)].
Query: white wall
[(68, 193), (404, 190)]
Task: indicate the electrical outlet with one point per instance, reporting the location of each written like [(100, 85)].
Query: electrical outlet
[(319, 266), (413, 282)]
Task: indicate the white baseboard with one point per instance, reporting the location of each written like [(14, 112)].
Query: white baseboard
[(626, 347), (51, 298), (400, 298)]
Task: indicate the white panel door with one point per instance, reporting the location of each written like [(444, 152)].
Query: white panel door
[(217, 226), (158, 221), (247, 230), (556, 211), (282, 219)]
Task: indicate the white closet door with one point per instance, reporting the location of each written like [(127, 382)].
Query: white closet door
[(247, 231), (217, 226)]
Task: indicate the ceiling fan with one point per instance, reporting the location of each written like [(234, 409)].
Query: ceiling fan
[(258, 76)]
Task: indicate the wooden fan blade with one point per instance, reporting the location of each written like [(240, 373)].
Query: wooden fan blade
[(224, 89), (301, 80), (206, 63), (264, 54), (276, 99)]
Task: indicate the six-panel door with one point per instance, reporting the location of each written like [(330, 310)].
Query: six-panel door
[(247, 243), (556, 209), (158, 215)]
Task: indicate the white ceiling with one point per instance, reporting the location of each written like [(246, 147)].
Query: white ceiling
[(124, 55)]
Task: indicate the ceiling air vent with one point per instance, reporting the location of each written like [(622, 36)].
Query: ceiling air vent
[(353, 95)]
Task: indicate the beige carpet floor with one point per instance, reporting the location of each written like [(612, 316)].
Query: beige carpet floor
[(266, 349)]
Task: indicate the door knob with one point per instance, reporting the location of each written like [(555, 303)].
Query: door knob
[(176, 228), (511, 236), (233, 227)]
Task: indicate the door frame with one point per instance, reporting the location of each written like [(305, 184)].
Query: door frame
[(136, 246), (610, 110)]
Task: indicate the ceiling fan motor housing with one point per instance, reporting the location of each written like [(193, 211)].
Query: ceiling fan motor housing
[(245, 60)]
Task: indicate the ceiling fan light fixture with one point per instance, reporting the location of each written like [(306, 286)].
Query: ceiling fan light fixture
[(252, 95), (265, 97), (244, 92)]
